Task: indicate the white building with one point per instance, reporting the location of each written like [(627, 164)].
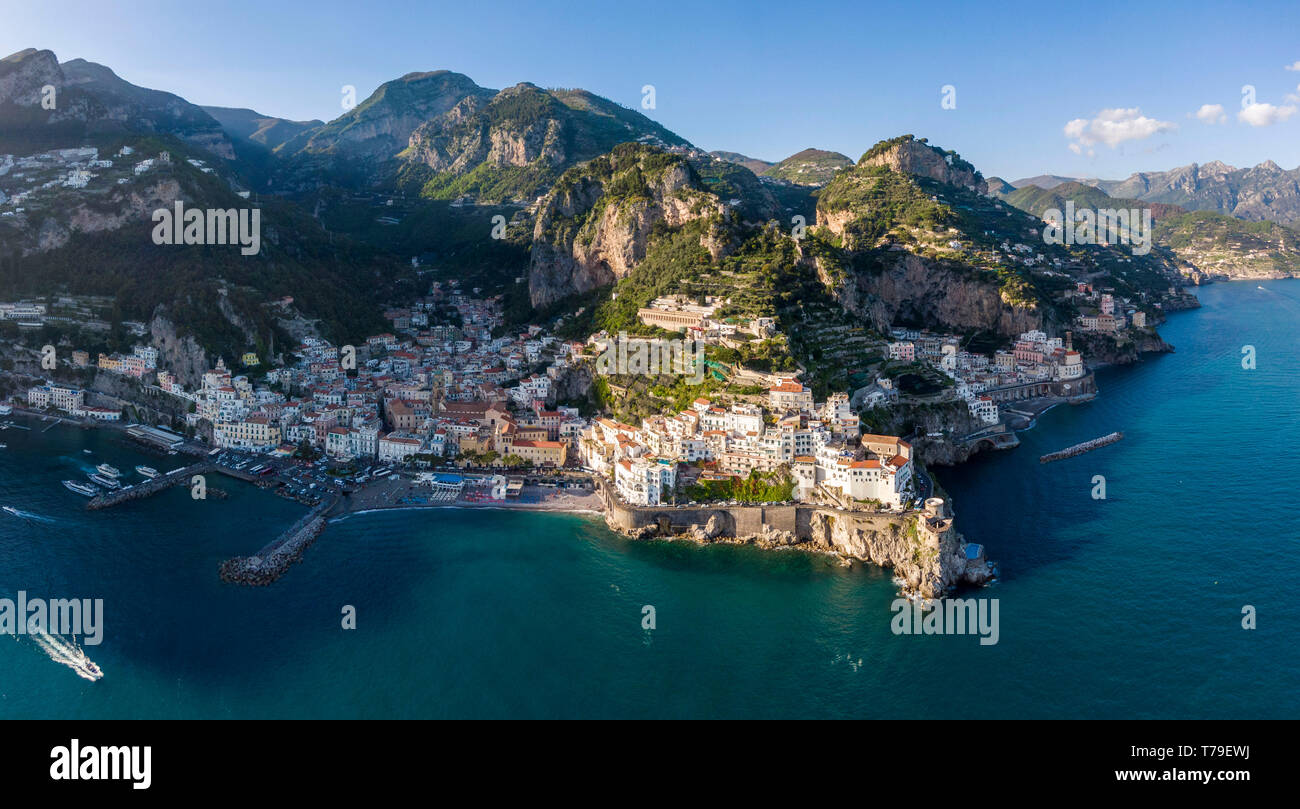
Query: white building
[(645, 481)]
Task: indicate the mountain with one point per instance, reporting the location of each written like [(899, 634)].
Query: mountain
[(1043, 181), (604, 217), (1211, 243), (908, 235), (809, 167), (752, 163), (271, 132), (1037, 201), (364, 142), (91, 102), (513, 145), (1263, 192), (99, 241), (999, 187)]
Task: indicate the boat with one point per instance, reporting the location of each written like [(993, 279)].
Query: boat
[(148, 471), (105, 481), (6, 410), (109, 471), (81, 488), (12, 510), (3, 446)]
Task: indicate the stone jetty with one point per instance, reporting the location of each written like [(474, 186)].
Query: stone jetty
[(274, 560), (1079, 449), (176, 477)]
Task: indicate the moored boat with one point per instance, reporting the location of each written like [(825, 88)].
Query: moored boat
[(148, 471), (108, 471), (84, 489), (105, 481)]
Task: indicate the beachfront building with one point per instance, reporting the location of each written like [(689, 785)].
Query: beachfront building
[(58, 396), (541, 453), (253, 432), (645, 481), (398, 446)]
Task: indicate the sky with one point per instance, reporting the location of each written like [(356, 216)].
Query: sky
[(1095, 89)]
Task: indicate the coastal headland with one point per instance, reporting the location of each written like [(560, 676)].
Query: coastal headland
[(928, 557)]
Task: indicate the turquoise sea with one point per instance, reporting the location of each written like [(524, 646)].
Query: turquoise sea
[(1125, 607)]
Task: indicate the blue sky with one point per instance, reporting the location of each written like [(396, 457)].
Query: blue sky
[(762, 78)]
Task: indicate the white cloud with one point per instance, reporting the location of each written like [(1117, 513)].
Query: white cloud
[(1266, 114), (1294, 98), (1211, 114), (1294, 65), (1115, 126)]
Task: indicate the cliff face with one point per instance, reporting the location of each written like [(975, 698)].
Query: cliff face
[(910, 156), (514, 145), (596, 224), (893, 233), (122, 206), (927, 555), (930, 557), (181, 355), (915, 289), (1102, 349), (477, 132)]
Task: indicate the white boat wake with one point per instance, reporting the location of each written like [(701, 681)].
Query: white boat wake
[(27, 515), (67, 652)]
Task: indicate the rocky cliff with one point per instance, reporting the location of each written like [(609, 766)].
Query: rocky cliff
[(1103, 349), (597, 222), (180, 354), (909, 155), (928, 555), (515, 144), (914, 289), (119, 207)]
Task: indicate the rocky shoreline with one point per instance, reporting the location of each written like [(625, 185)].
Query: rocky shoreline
[(928, 557)]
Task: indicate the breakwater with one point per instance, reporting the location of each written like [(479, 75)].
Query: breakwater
[(176, 477), (1079, 449), (275, 559)]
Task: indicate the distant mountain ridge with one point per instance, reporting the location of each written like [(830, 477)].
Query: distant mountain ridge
[(1262, 192), (91, 100), (271, 132)]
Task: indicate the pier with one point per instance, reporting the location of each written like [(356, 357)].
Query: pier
[(176, 477), (275, 559), (1079, 449)]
